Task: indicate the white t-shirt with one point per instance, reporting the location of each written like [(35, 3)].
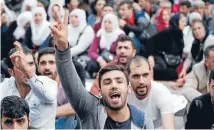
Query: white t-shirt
[(156, 104)]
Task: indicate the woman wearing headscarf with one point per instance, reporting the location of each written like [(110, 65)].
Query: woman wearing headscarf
[(16, 32), (53, 9), (80, 35), (202, 39), (188, 34), (18, 28), (163, 19), (38, 32), (104, 45), (165, 49), (28, 5)]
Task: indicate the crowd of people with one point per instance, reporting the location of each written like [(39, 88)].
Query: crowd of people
[(151, 64)]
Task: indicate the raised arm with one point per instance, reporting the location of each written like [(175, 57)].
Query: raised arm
[(80, 99)]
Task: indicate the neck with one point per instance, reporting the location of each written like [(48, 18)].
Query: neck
[(23, 89), (99, 14), (57, 80), (130, 15), (212, 100), (148, 7), (121, 115)]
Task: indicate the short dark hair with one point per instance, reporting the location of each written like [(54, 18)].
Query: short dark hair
[(13, 50), (207, 50), (109, 5), (186, 3), (44, 51), (128, 2), (14, 107), (127, 38), (211, 76), (112, 68), (136, 59)]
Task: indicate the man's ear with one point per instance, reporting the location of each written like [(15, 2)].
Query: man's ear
[(134, 52), (129, 88), (10, 71), (206, 62)]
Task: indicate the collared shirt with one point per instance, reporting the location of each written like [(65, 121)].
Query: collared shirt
[(41, 99)]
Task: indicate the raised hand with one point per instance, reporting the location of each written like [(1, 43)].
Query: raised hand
[(18, 60), (59, 32)]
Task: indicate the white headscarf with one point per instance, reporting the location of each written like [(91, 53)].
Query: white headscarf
[(107, 38), (22, 19), (50, 13), (11, 16), (31, 3), (40, 31), (73, 32)]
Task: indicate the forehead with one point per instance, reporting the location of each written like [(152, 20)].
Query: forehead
[(29, 58), (113, 74), (139, 67), (124, 43), (47, 57), (124, 6), (101, 1), (197, 24), (108, 8), (211, 54), (8, 118)]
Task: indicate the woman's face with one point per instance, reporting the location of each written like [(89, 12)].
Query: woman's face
[(74, 4), (108, 26), (166, 16), (99, 5), (199, 30), (75, 20), (55, 10), (38, 18), (182, 22)]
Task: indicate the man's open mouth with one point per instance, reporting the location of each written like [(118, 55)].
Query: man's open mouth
[(114, 95)]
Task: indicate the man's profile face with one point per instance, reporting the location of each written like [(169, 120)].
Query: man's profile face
[(125, 11), (19, 75), (15, 123), (114, 89), (211, 87), (184, 9)]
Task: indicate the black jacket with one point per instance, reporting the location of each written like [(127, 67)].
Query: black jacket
[(201, 113), (169, 40)]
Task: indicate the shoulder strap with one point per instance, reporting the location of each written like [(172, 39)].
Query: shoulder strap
[(81, 34)]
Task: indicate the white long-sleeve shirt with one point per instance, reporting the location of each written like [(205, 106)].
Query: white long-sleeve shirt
[(84, 42), (41, 99)]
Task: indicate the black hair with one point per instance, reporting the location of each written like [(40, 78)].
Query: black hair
[(67, 2), (186, 3), (128, 2), (109, 5), (211, 76), (136, 59), (112, 68), (207, 50), (93, 5), (44, 51), (127, 38), (13, 50), (14, 107)]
